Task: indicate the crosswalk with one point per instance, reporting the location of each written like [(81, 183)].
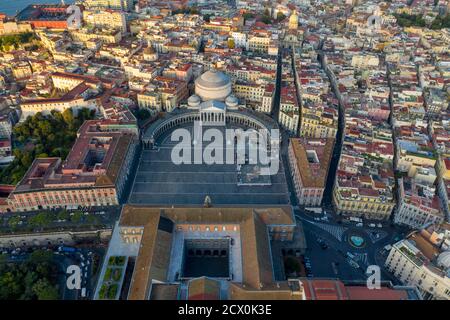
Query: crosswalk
[(361, 259), (335, 231), (374, 238)]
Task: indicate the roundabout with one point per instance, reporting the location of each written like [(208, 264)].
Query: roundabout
[(357, 239)]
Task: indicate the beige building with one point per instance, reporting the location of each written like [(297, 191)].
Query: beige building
[(423, 260), (309, 161), (12, 27), (289, 114), (106, 35), (164, 94), (363, 61), (106, 19), (251, 92), (259, 42), (167, 237), (125, 5), (318, 121), (418, 202), (22, 70), (266, 104)]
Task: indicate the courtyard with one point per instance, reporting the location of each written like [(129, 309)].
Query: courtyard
[(159, 181)]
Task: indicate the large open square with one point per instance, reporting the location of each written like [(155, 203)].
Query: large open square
[(161, 182)]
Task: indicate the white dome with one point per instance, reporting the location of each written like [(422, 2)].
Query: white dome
[(194, 100), (444, 260), (213, 85), (213, 79), (231, 101)]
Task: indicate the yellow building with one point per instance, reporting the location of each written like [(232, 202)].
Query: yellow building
[(316, 123), (107, 36), (259, 42), (350, 201), (106, 18), (293, 21), (249, 91), (22, 70)]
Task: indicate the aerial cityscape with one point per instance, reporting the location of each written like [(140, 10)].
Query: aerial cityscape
[(225, 150)]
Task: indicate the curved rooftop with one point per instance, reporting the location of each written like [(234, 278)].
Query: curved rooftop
[(231, 101), (213, 79), (444, 260), (194, 100)]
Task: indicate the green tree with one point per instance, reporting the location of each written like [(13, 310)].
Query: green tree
[(63, 215), (48, 135), (10, 288), (231, 43), (143, 114), (14, 221), (77, 217), (42, 219), (92, 219), (44, 290), (41, 256), (280, 16), (292, 265), (266, 19)]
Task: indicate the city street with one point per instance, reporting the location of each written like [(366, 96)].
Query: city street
[(334, 261)]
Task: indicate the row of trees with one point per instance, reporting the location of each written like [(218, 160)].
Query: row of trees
[(15, 40), (441, 22), (43, 136), (417, 20), (46, 218), (267, 19), (30, 280), (410, 20), (192, 10)]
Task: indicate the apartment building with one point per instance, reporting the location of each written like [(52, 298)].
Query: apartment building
[(309, 161), (418, 201), (106, 19), (423, 260)]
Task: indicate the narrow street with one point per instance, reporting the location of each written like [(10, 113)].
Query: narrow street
[(334, 261)]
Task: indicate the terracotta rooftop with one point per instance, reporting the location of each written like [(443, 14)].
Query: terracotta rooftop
[(313, 175), (76, 171), (154, 254)]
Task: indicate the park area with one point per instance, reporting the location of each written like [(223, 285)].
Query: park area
[(112, 278)]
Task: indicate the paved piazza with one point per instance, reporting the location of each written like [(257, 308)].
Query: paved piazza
[(161, 182)]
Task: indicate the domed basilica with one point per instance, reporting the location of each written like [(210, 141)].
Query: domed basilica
[(212, 97)]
